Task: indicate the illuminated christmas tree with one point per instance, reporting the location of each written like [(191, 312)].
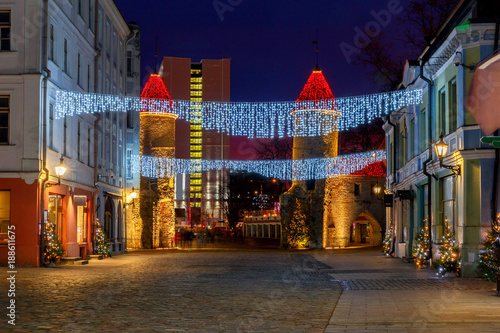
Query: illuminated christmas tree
[(53, 248), (420, 247), (488, 263), (386, 245), (298, 235), (101, 241), (449, 260)]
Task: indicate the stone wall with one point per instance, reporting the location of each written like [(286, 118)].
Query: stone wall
[(342, 207), (156, 220)]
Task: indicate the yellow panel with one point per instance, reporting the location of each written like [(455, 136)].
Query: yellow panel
[(197, 154)]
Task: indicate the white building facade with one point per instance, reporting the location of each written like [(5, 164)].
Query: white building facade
[(56, 45)]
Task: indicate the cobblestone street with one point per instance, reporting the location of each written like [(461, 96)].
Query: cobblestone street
[(196, 291), (247, 290)]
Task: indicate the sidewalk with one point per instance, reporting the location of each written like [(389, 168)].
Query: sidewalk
[(385, 294)]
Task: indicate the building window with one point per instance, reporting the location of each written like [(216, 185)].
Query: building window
[(81, 224), (422, 124), (4, 30), (51, 43), (89, 146), (80, 5), (129, 164), (403, 145), (51, 126), (78, 76), (65, 66), (452, 114), (403, 231), (4, 216), (91, 15), (442, 110), (129, 63), (56, 213), (449, 202), (412, 139), (78, 141), (357, 189), (88, 78), (65, 136), (4, 120)]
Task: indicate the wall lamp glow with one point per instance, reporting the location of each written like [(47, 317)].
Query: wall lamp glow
[(60, 170), (441, 148), (457, 60)]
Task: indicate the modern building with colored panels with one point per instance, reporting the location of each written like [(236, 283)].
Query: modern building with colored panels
[(459, 189), (197, 194)]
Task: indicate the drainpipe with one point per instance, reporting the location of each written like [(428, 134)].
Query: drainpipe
[(494, 205), (130, 36), (428, 160), (393, 182), (46, 76), (96, 123)]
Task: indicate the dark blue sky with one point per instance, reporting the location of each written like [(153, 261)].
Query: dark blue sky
[(268, 41)]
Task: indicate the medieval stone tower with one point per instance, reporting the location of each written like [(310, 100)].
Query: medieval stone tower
[(154, 216), (306, 198)]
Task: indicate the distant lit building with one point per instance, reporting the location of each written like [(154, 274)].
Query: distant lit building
[(197, 195)]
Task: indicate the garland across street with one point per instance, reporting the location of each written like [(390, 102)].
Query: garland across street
[(253, 120), (305, 169)]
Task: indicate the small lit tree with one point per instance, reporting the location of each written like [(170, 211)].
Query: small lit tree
[(101, 241), (420, 247), (53, 248), (386, 245), (449, 259), (488, 262), (298, 235)]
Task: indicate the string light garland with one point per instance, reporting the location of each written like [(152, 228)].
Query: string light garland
[(253, 120), (420, 247), (489, 260), (449, 260), (306, 169)]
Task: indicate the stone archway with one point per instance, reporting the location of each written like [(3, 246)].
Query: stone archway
[(365, 230)]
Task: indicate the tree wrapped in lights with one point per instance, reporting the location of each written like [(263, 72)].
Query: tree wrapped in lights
[(488, 260), (53, 247), (449, 260), (101, 243), (386, 245), (420, 247), (298, 234)]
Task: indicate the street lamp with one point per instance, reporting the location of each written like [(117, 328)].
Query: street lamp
[(377, 189), (133, 195), (60, 170), (441, 148)]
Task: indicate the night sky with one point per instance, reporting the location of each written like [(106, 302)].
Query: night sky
[(269, 41)]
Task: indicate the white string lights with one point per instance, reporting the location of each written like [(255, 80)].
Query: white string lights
[(306, 169), (254, 120)]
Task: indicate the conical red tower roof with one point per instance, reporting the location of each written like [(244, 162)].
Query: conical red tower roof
[(154, 94), (316, 88), (155, 88)]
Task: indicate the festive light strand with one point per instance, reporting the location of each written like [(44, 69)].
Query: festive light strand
[(306, 169), (253, 120)]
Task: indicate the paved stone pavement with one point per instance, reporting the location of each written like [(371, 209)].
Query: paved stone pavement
[(245, 290), (384, 294), (168, 290)]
